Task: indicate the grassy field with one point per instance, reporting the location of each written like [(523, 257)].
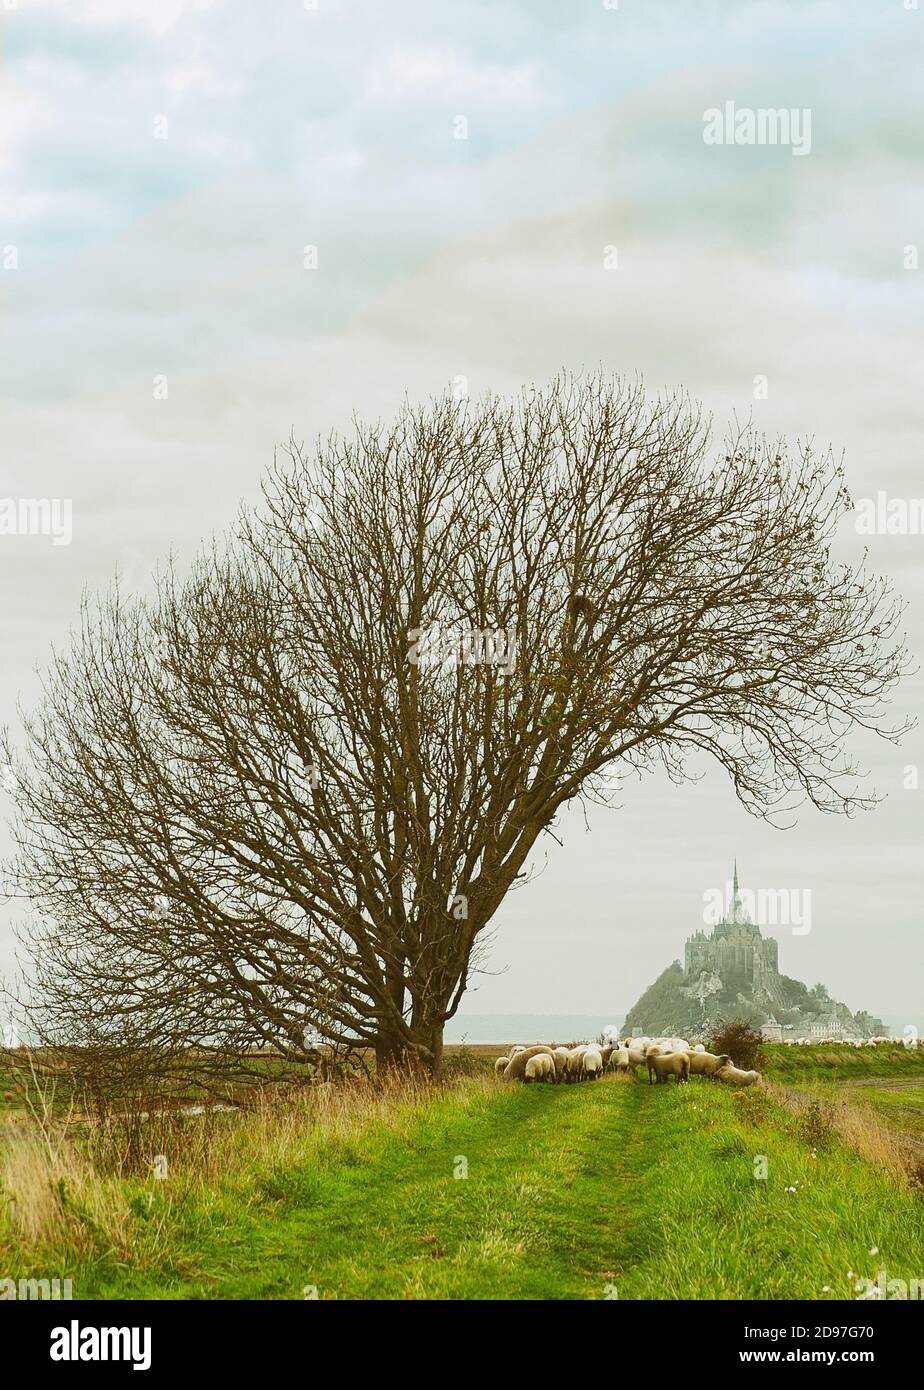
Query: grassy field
[(840, 1062), (879, 1087), (482, 1191), (900, 1109)]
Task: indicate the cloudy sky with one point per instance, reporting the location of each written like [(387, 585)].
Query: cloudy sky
[(458, 171)]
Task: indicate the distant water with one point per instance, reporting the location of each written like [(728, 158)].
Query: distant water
[(504, 1028)]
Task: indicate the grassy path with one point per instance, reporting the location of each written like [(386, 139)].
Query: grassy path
[(546, 1209), (692, 1192)]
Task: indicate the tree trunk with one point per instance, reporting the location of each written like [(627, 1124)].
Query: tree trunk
[(429, 1036), (389, 1053), (436, 1050)]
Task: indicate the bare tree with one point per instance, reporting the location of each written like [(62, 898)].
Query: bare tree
[(294, 791)]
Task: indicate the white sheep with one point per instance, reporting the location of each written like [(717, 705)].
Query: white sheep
[(500, 1065), (666, 1064), (541, 1067), (707, 1063), (573, 1069), (735, 1077), (516, 1067), (560, 1054), (591, 1063)]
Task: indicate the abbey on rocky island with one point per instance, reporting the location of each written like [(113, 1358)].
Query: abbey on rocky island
[(732, 972)]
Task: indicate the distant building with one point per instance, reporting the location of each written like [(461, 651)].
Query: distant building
[(733, 972), (734, 950)]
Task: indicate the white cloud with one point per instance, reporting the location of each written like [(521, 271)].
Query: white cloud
[(185, 258)]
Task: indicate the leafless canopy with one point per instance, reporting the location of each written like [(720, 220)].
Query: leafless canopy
[(293, 791)]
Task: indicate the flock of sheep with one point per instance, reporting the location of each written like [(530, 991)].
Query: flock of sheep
[(663, 1057)]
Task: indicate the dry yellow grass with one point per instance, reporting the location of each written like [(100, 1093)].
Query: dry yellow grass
[(856, 1125), (60, 1175)]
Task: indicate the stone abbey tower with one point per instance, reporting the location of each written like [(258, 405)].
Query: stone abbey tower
[(735, 951)]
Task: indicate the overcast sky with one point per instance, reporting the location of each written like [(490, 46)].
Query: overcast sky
[(164, 168)]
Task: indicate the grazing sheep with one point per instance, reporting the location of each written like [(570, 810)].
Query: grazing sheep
[(560, 1056), (573, 1067), (516, 1067), (500, 1064), (666, 1064), (619, 1062), (592, 1063), (706, 1063), (541, 1067), (652, 1051), (735, 1077), (699, 1048)]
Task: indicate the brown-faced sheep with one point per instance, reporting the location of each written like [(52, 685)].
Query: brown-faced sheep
[(517, 1065), (706, 1063), (667, 1064), (540, 1068), (734, 1077)]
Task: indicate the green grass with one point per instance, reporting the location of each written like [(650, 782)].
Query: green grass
[(571, 1191), (902, 1110), (837, 1073), (841, 1062)]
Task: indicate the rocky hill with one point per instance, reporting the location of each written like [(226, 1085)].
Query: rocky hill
[(732, 973)]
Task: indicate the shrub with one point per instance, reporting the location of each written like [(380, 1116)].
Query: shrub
[(816, 1127), (465, 1063), (741, 1042)]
